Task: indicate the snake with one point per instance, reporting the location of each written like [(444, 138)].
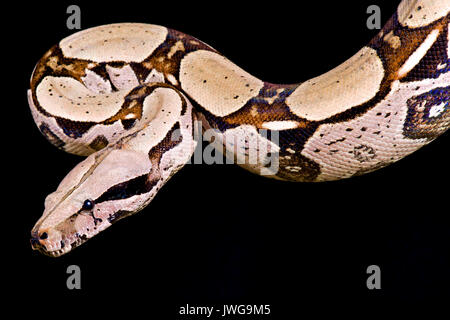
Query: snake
[(136, 98)]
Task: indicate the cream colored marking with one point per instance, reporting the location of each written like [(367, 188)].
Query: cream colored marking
[(178, 46), (290, 150), (441, 66), (216, 83), (272, 99), (78, 146), (69, 99), (280, 125), (381, 128), (293, 168), (122, 78), (420, 13), (96, 83), (436, 110), (130, 116), (254, 111), (172, 79), (154, 76), (352, 83), (394, 41), (415, 58), (128, 42), (53, 63)]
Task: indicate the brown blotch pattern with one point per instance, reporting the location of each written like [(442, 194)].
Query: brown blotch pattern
[(364, 153), (421, 122), (434, 63), (410, 40), (171, 140), (166, 58), (267, 105), (99, 143), (295, 167)]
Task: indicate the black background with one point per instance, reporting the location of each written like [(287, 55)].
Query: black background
[(218, 234)]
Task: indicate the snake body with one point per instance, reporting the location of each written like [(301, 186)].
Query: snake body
[(129, 96)]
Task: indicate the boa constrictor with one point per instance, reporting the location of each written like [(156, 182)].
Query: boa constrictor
[(120, 93)]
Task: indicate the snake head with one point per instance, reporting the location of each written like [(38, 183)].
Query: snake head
[(102, 189), (120, 179)]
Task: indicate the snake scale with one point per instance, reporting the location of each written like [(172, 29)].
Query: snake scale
[(131, 96)]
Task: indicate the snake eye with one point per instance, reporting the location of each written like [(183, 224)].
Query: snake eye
[(43, 236), (88, 205)]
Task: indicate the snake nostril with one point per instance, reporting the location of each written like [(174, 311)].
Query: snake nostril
[(34, 241)]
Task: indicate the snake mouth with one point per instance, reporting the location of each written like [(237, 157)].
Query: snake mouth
[(53, 253), (53, 249)]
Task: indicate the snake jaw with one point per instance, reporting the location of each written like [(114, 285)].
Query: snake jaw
[(49, 242), (55, 249), (57, 241), (60, 239)]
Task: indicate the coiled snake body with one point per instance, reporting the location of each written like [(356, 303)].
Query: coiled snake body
[(128, 96)]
